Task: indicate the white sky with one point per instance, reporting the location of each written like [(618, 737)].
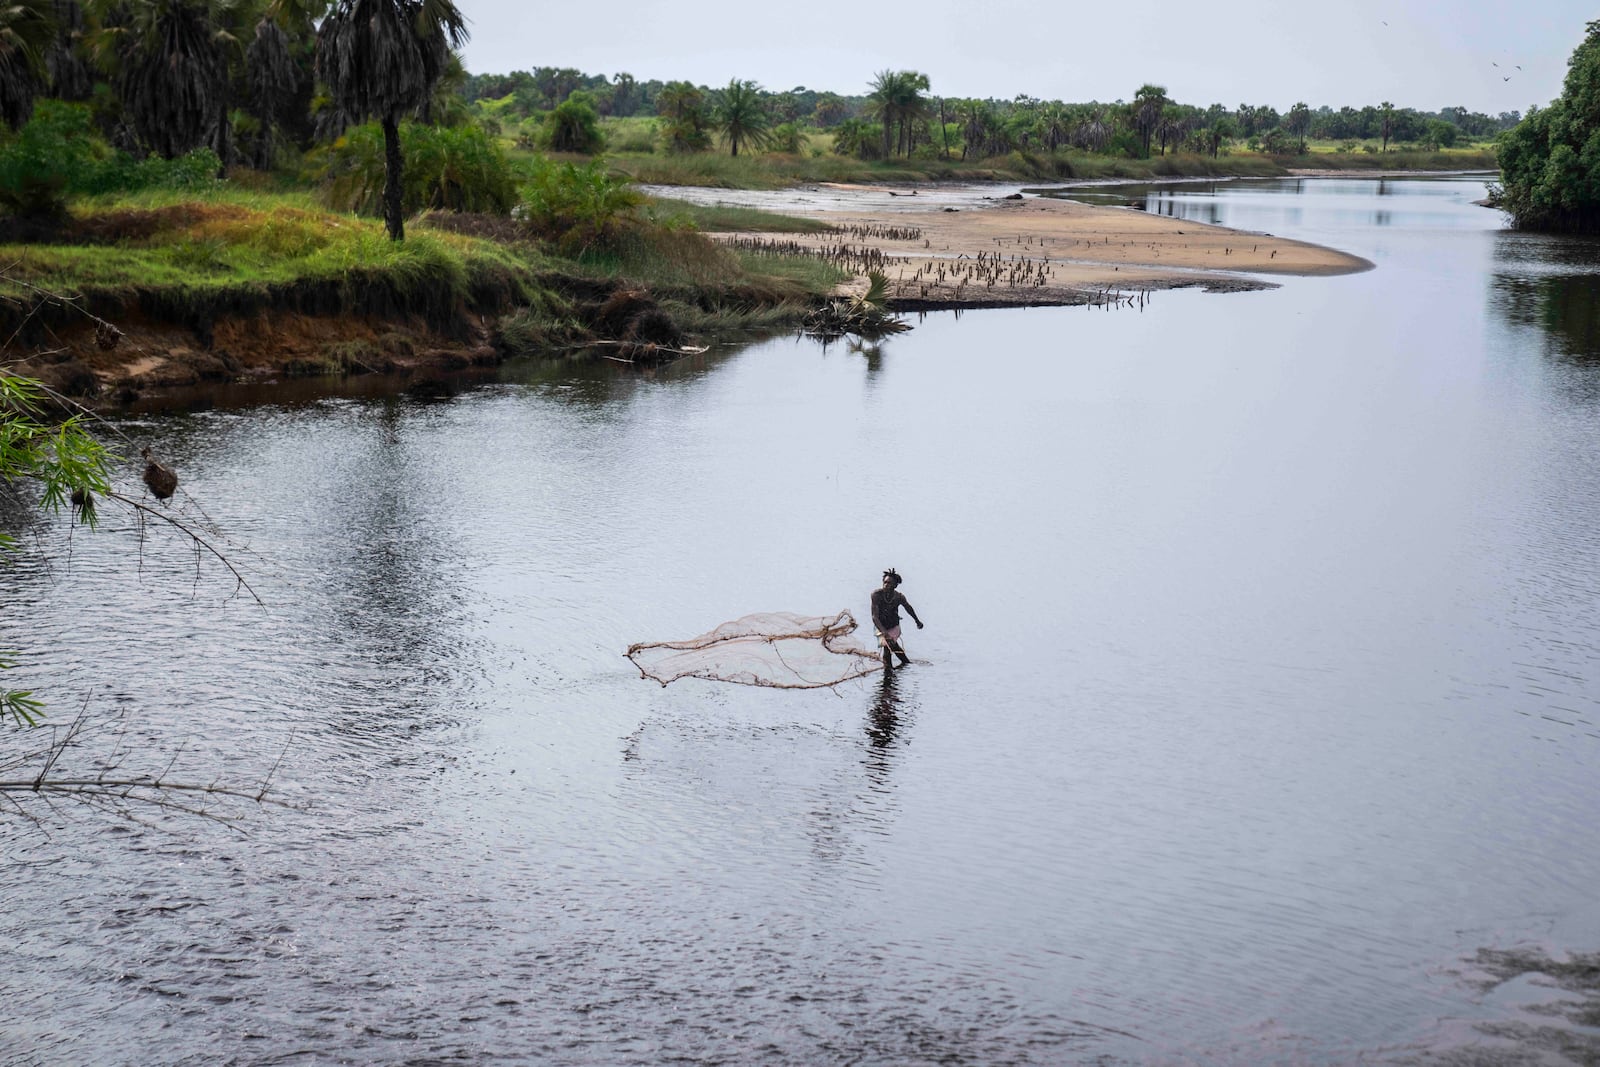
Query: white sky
[(1429, 54)]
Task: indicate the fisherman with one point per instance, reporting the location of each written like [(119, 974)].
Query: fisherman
[(887, 600)]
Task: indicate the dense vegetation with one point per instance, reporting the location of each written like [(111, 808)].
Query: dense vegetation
[(899, 118), (1550, 162)]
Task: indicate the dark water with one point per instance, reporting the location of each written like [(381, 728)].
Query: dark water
[(1263, 691)]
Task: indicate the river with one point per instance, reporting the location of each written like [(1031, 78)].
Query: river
[(1260, 691)]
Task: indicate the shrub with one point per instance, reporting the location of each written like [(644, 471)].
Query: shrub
[(454, 169), (124, 174), (785, 137), (576, 205), (53, 153), (58, 154), (574, 126)]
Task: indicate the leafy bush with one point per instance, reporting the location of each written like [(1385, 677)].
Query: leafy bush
[(576, 205), (785, 137), (54, 152), (574, 126), (124, 174), (59, 154), (454, 169)]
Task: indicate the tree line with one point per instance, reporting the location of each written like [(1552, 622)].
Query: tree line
[(238, 78), (898, 116), (1550, 162)]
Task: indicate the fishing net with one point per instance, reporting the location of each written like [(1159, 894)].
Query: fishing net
[(772, 648)]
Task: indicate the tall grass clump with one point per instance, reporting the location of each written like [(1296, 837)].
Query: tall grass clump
[(575, 206), (458, 168)]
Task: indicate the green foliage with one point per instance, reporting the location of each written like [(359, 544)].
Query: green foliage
[(686, 119), (574, 205), (630, 135), (54, 152), (785, 137), (1441, 134), (66, 462), (897, 103), (1550, 162), (858, 139), (191, 172), (19, 704), (58, 154), (446, 168), (63, 458), (741, 116), (574, 126)]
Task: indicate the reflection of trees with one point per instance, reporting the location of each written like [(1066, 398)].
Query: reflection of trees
[(397, 595), (1552, 285)]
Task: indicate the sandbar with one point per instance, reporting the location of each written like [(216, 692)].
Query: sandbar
[(1036, 250)]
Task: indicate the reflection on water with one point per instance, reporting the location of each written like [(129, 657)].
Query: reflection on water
[(1262, 689), (1275, 204), (1552, 286)]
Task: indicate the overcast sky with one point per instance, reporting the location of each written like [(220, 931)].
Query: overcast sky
[(1414, 53)]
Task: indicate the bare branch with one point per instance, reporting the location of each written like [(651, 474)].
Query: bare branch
[(200, 542)]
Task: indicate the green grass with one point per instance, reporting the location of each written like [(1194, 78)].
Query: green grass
[(181, 259), (723, 218), (240, 239)]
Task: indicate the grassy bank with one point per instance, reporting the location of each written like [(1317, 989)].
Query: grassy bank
[(235, 282)]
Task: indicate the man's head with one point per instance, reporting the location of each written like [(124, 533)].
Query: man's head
[(890, 578)]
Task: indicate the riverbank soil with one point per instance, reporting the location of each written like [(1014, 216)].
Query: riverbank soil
[(1034, 251)]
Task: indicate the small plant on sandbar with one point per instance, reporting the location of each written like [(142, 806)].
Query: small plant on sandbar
[(863, 315)]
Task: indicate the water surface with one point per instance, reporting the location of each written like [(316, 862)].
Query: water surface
[(1261, 690)]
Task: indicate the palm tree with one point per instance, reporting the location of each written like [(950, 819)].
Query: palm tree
[(1092, 131), (684, 108), (881, 103), (741, 115), (170, 67), (1053, 125), (1219, 131), (896, 101), (1298, 120), (624, 95), (1386, 109), (27, 30), (69, 78), (273, 80), (383, 58), (1148, 104)]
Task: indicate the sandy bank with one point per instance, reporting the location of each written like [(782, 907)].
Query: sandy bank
[(1034, 250)]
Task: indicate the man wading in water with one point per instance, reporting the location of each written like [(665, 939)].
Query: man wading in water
[(887, 600)]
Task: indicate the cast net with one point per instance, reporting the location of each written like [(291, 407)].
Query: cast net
[(771, 648)]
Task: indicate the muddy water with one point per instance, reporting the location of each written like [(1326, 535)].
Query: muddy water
[(1261, 692)]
